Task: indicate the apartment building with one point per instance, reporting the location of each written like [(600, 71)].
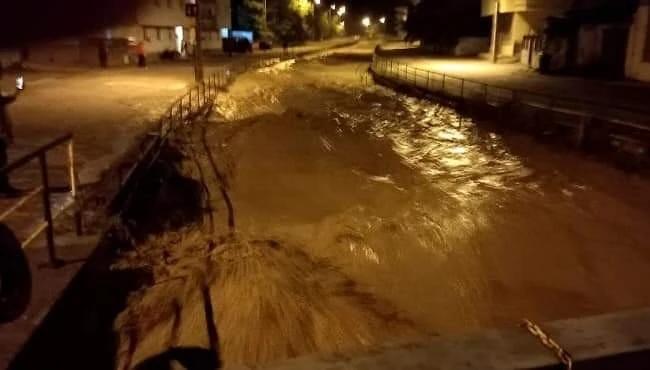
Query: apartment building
[(164, 25), (519, 18), (637, 64), (161, 24)]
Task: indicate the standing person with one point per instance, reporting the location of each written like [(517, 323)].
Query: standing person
[(103, 54), (142, 59), (6, 138)]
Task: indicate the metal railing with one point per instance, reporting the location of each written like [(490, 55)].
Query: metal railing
[(197, 100), (495, 95), (50, 212), (193, 102)]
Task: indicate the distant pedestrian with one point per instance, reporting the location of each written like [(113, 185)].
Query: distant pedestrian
[(103, 54), (140, 50), (6, 139)]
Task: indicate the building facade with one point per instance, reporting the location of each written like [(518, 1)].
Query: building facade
[(161, 24), (520, 18), (637, 65)]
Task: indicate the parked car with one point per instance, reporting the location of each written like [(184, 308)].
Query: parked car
[(237, 45), (170, 55)]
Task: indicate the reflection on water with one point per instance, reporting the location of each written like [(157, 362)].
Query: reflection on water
[(457, 226)]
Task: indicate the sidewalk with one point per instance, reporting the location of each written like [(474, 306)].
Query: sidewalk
[(626, 94)]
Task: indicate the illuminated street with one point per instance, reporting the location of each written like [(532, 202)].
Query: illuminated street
[(361, 217), (631, 94)]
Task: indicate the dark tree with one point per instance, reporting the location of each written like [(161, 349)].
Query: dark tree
[(442, 22), (250, 16), (286, 22)]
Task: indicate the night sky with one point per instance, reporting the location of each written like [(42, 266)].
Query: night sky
[(33, 20)]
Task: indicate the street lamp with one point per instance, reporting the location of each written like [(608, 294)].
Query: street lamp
[(341, 11), (317, 2), (333, 6), (366, 22), (382, 20)]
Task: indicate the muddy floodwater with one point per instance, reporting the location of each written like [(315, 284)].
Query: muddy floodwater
[(344, 215)]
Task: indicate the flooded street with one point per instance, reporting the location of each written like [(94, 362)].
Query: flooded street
[(362, 216)]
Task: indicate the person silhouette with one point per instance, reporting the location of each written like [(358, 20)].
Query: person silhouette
[(6, 139)]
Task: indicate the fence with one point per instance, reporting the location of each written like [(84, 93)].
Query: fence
[(616, 116), (197, 100), (50, 213)]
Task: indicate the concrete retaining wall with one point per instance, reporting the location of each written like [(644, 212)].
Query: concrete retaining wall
[(616, 341)]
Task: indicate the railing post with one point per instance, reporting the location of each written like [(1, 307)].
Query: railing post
[(73, 188), (47, 212)]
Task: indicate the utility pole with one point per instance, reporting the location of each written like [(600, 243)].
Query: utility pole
[(198, 49), (495, 36)]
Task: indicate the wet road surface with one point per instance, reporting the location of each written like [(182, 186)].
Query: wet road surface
[(450, 225)]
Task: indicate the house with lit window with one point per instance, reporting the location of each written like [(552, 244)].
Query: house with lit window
[(161, 24)]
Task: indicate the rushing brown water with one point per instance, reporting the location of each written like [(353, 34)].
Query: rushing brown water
[(452, 225)]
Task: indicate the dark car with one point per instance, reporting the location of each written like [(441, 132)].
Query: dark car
[(243, 45)]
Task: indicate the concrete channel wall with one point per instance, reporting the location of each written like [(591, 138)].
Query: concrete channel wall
[(616, 341)]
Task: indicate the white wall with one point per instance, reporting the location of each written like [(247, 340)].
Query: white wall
[(510, 6), (635, 66), (163, 13), (513, 27), (158, 17)]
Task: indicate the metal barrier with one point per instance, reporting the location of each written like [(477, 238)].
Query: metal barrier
[(471, 90), (49, 213), (198, 99)]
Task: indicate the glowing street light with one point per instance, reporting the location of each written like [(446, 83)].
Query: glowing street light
[(333, 6), (317, 2), (382, 20), (341, 11), (366, 22)]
